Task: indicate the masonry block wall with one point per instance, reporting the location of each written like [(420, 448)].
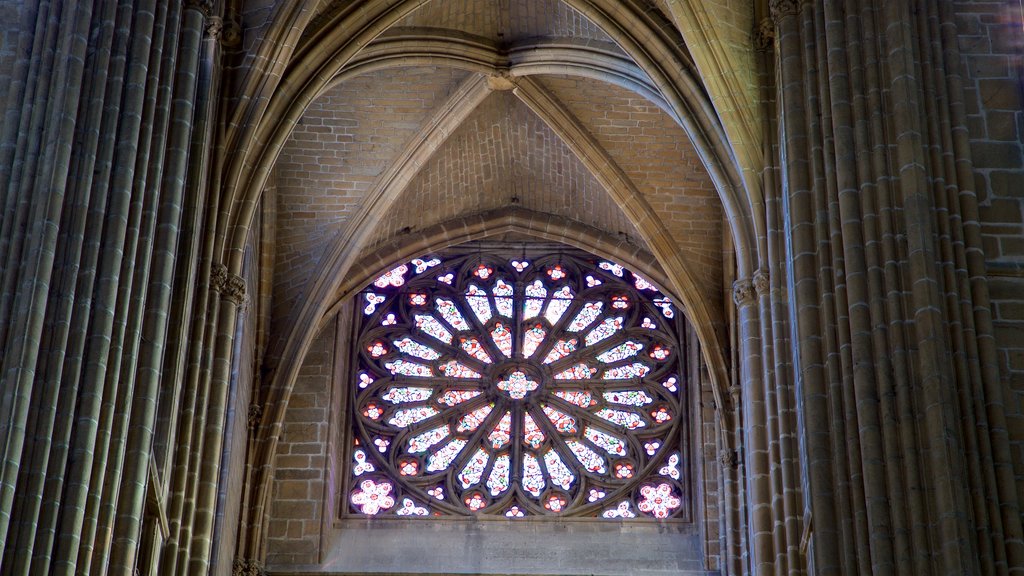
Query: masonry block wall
[(298, 496), (991, 42)]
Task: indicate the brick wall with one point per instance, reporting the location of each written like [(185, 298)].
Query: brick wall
[(991, 39), (297, 501)]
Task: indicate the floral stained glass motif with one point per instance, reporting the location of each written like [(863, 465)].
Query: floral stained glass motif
[(563, 422), (501, 435), (394, 277), (406, 368), (447, 309), (560, 350), (423, 442), (519, 265), (625, 350), (503, 298), (533, 478), (407, 394), (559, 303), (607, 442), (493, 379), (477, 299), (474, 469), (498, 480), (408, 416), (453, 397), (557, 470), (502, 338), (535, 294), (532, 434), (532, 339), (472, 421), (630, 420), (517, 385), (581, 398), (455, 369), (473, 347), (431, 326), (412, 348), (443, 458)]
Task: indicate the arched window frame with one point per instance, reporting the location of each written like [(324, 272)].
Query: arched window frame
[(377, 451)]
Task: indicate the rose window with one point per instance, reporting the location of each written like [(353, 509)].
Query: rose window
[(517, 387)]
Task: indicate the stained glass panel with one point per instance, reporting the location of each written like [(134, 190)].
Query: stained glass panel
[(533, 402)]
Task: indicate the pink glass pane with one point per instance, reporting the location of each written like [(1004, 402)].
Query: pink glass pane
[(660, 352), (666, 306), (591, 281), (409, 508), (422, 442), (520, 265), (532, 339), (498, 479), (407, 416), (670, 384), (556, 272), (413, 348), (620, 511), (642, 284), (533, 478), (587, 457), (622, 351), (622, 418), (431, 326), (647, 323), (473, 347), (407, 394), (475, 501), (610, 444), (581, 398), (394, 277), (612, 267), (514, 512), (559, 303), (443, 458), (517, 385), (372, 497), (535, 294), (659, 501), (532, 434), (634, 370), (477, 299), (453, 397), (455, 369), (661, 415), (377, 349), (406, 368), (361, 465), (563, 422), (472, 421), (503, 338), (372, 300), (605, 329), (671, 469), (586, 316), (422, 265), (503, 298), (577, 372), (483, 271), (561, 349), (628, 397), (557, 470), (451, 314), (474, 469), (502, 432)]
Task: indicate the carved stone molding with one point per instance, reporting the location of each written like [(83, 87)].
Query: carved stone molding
[(255, 415), (743, 292), (761, 284), (729, 458), (204, 6), (779, 9), (734, 393), (247, 567), (764, 35), (232, 33), (214, 27), (231, 286)]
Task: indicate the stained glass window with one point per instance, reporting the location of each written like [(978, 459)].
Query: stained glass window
[(517, 387)]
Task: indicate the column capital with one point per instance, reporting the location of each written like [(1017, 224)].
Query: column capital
[(230, 286), (743, 292), (764, 34), (761, 282), (204, 6), (779, 9), (248, 567), (255, 415)]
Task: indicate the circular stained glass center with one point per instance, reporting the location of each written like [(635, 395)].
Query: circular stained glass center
[(516, 387)]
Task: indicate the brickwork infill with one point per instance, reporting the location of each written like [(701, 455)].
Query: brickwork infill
[(504, 155), (298, 495), (343, 142), (658, 156)]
